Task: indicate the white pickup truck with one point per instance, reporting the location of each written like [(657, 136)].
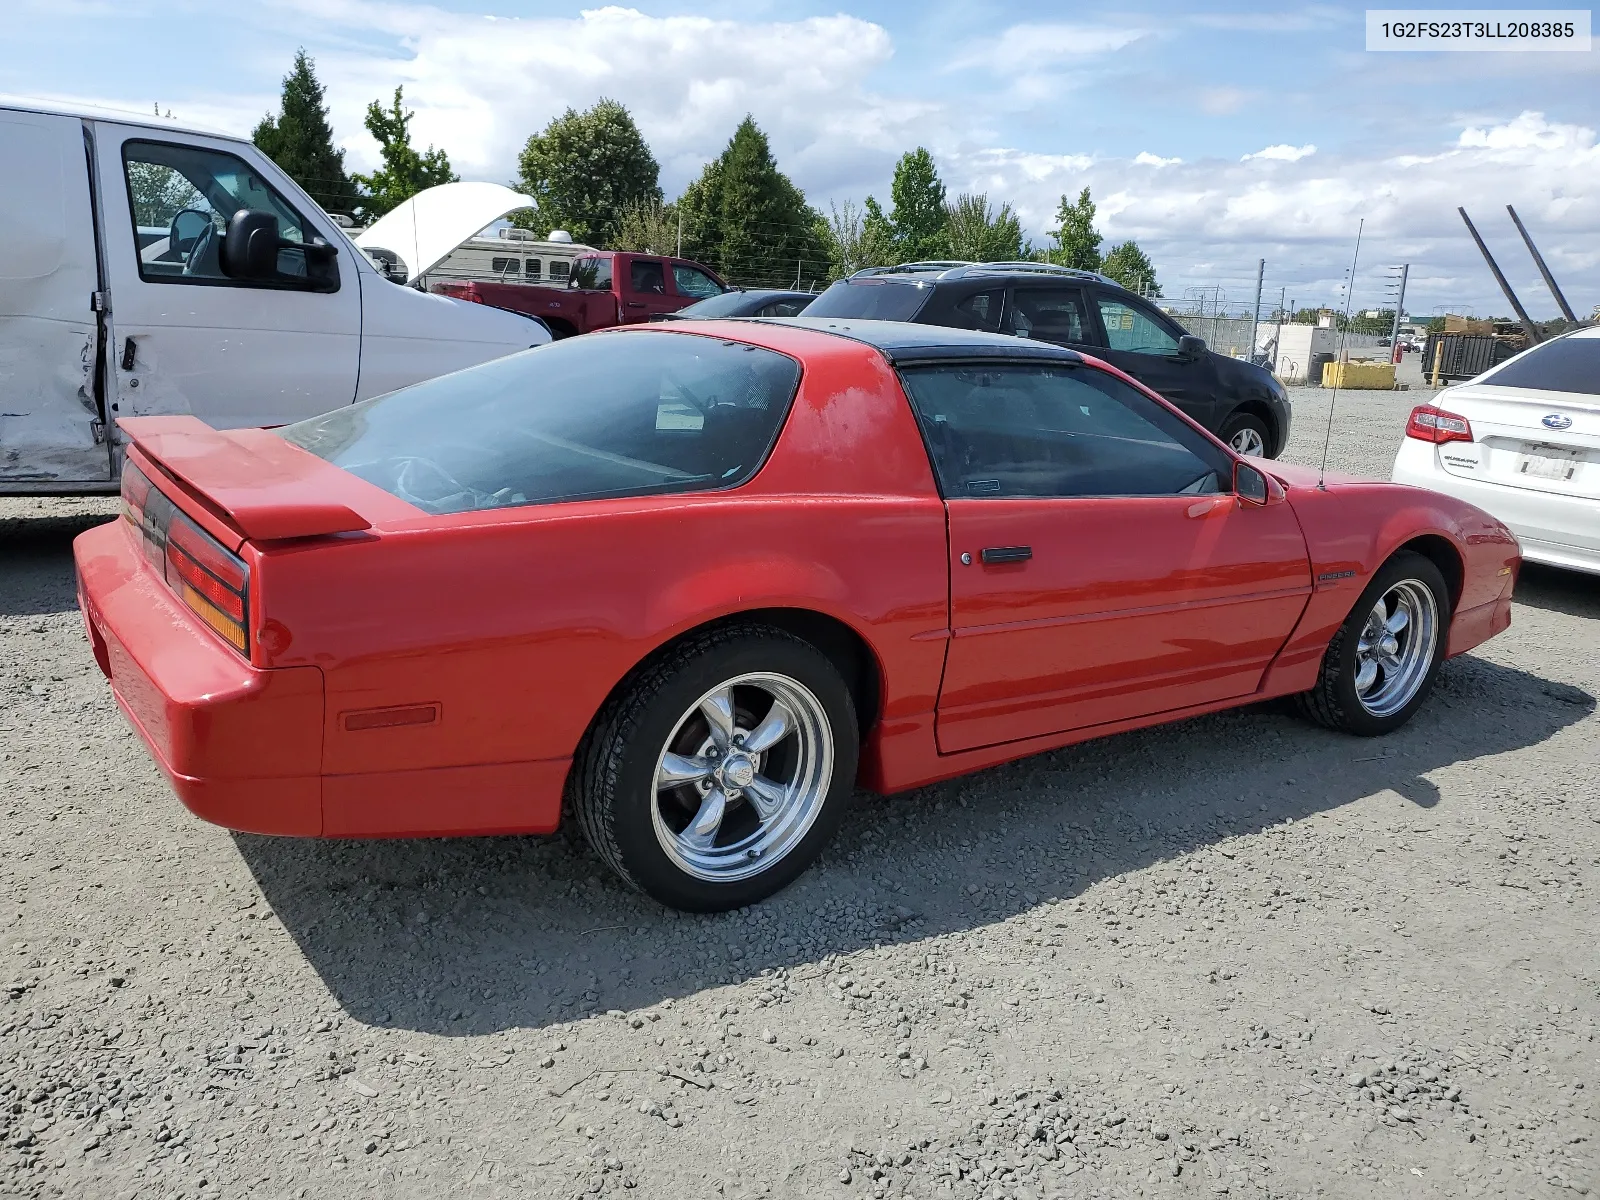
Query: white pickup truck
[(147, 267)]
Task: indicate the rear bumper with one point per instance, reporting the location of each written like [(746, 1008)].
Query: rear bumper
[(1560, 531), (242, 747)]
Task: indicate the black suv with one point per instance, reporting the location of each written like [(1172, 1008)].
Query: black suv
[(1238, 401)]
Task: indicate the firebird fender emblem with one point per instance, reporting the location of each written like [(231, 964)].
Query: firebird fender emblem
[(1330, 576)]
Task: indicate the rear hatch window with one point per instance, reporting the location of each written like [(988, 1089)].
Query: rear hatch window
[(1569, 364), (871, 299), (606, 415)]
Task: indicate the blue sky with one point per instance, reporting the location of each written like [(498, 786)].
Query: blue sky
[(1163, 110)]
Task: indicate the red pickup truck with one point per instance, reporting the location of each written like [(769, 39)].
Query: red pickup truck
[(606, 288)]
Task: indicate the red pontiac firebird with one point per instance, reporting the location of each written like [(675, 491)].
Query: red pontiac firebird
[(703, 581)]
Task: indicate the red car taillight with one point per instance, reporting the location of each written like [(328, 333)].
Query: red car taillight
[(1429, 424), (212, 582)]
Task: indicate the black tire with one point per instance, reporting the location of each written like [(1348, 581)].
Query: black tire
[(612, 784), (1242, 422), (1334, 701)]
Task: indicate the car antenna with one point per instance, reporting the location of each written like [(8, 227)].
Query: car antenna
[(1338, 376)]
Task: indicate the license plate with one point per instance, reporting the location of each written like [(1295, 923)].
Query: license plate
[(1548, 462)]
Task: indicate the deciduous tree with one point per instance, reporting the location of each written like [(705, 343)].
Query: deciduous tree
[(975, 232), (584, 169), (404, 172), (1131, 267), (918, 215)]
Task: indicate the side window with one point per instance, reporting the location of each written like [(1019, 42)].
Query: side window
[(590, 272), (532, 268), (560, 268), (980, 311), (1048, 314), (182, 198), (1132, 329), (691, 281), (1053, 430), (505, 266), (645, 275), (783, 308)]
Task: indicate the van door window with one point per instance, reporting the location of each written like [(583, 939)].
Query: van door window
[(532, 270), (182, 198)]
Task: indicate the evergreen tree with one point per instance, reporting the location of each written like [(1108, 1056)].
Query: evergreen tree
[(1077, 240), (404, 172), (300, 140), (584, 169), (918, 217), (975, 232), (1131, 267), (745, 217)]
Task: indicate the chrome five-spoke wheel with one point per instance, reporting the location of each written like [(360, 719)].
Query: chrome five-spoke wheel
[(742, 776), (1380, 665), (1395, 649)]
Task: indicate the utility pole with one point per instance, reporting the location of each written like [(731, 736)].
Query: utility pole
[(1399, 307), (680, 233), (1255, 321)]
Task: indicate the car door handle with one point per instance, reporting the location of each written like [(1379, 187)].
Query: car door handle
[(1007, 554), (635, 303)]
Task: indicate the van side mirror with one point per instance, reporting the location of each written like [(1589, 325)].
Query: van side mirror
[(250, 246), (1190, 347), (1249, 484)]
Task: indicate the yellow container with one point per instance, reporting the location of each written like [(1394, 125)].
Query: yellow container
[(1373, 376)]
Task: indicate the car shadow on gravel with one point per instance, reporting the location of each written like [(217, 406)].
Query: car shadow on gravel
[(472, 936), (36, 551), (1572, 593)]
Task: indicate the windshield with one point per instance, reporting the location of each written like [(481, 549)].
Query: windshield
[(729, 304), (874, 299), (601, 416), (1568, 364)]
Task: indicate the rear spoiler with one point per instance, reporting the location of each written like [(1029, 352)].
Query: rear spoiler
[(261, 485)]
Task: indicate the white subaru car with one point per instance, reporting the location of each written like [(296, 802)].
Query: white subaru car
[(1521, 441)]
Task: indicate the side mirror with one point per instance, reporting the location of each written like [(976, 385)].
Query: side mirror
[(1249, 484), (250, 251), (1190, 347), (250, 246)]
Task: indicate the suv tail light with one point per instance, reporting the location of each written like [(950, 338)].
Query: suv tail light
[(1429, 424), (212, 582)]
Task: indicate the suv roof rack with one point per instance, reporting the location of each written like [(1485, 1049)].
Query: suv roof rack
[(963, 269), (931, 266)]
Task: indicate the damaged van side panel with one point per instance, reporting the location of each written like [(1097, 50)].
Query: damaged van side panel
[(51, 427)]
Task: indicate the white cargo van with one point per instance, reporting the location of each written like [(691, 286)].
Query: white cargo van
[(149, 267)]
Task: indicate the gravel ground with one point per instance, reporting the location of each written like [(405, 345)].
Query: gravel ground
[(1239, 955)]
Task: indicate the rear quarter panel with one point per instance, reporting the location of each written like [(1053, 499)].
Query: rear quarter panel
[(1352, 528), (519, 622)]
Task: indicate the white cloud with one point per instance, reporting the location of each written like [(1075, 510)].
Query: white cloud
[(480, 86), (1223, 101), (1206, 222), (1031, 46), (1282, 153)]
